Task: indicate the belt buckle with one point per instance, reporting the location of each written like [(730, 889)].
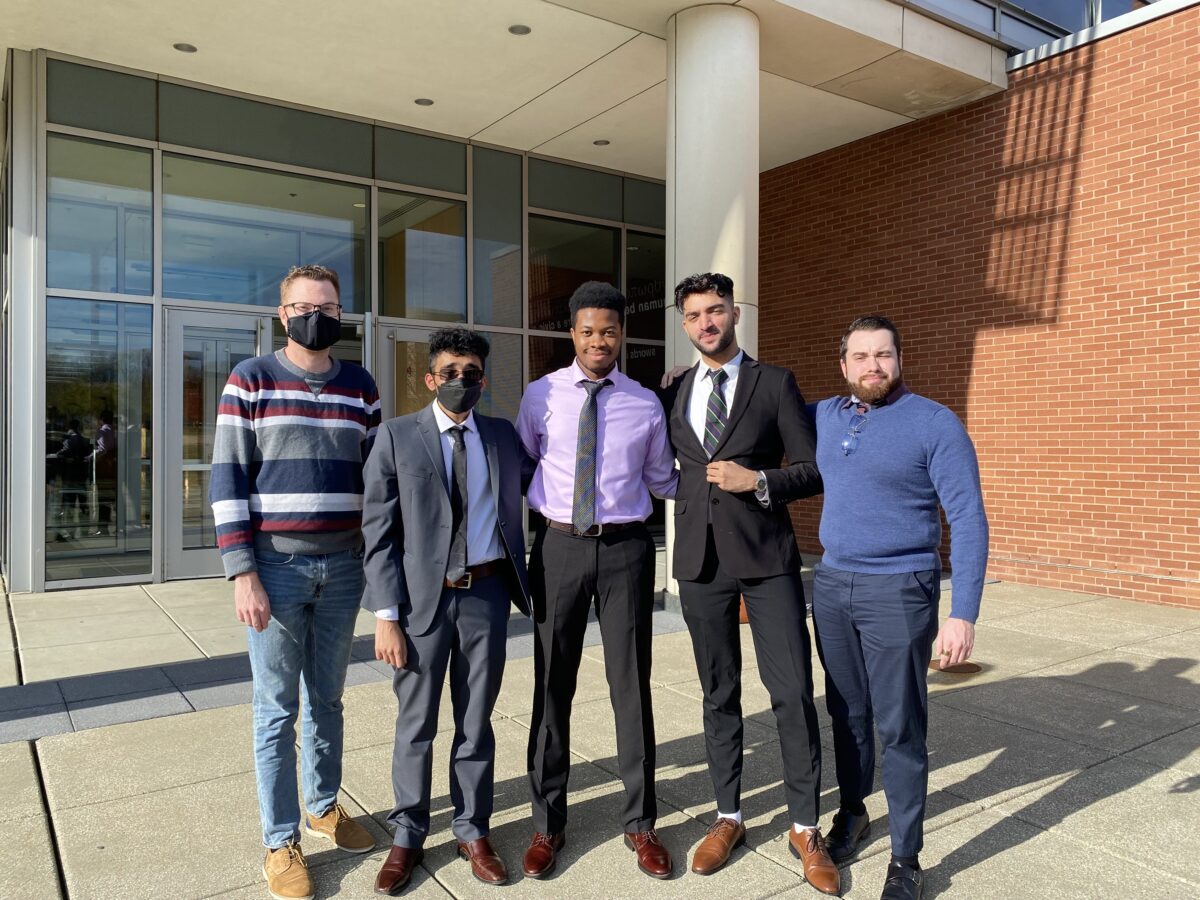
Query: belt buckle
[(464, 583), (599, 526)]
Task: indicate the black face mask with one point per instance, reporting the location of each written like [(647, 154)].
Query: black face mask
[(315, 330), (458, 396)]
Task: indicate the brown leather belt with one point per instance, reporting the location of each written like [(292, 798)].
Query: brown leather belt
[(595, 531), (483, 570)]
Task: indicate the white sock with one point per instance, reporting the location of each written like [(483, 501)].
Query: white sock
[(799, 828), (733, 817)]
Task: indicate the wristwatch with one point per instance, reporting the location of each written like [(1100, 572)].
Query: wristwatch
[(760, 486)]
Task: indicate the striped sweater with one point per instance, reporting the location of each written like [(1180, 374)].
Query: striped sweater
[(288, 458)]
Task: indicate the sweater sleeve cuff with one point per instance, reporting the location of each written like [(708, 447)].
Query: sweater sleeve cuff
[(238, 562)]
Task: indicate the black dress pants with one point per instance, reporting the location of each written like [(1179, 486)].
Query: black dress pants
[(566, 574), (775, 607)]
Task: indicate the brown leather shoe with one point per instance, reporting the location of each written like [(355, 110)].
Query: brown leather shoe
[(542, 854), (397, 869), (486, 864), (809, 847), (724, 836), (653, 858)]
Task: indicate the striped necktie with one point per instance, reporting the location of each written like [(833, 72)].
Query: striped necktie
[(583, 504), (717, 414)]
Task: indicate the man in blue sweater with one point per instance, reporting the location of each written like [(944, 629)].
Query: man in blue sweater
[(889, 458)]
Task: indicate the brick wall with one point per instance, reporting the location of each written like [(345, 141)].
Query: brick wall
[(1040, 252)]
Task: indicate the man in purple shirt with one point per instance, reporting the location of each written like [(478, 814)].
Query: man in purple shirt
[(601, 447)]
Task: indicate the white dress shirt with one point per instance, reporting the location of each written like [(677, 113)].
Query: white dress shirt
[(483, 532), (702, 388)]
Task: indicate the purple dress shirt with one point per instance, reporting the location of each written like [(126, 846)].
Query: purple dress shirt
[(633, 454)]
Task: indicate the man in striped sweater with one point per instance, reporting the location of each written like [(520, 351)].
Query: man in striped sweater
[(293, 430)]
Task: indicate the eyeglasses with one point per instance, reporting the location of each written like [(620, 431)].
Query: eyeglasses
[(303, 309), (850, 442), (469, 376)]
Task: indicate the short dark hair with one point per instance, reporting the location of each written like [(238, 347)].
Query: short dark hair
[(708, 283), (597, 295), (313, 273), (870, 323), (457, 342)]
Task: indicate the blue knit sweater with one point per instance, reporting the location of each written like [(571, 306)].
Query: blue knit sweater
[(881, 500)]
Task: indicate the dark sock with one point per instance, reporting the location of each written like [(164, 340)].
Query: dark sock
[(910, 861), (857, 808)]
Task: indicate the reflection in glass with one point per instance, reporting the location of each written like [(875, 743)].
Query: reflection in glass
[(546, 354), (645, 285), (422, 257), (502, 396), (644, 363), (562, 256), (99, 407), (412, 362), (230, 233), (496, 240), (98, 216), (209, 355)]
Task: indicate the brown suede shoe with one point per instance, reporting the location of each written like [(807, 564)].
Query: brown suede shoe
[(287, 875), (809, 847), (337, 826), (653, 858), (486, 864), (724, 836), (397, 869), (542, 854)]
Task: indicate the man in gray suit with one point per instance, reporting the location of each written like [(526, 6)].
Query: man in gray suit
[(445, 554)]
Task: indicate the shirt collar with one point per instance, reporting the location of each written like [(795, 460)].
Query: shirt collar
[(731, 367), (577, 375), (899, 391), (445, 423)]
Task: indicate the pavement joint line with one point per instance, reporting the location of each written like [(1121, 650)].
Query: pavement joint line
[(150, 793), (56, 851), (179, 627)]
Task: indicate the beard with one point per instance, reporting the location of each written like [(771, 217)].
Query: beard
[(873, 393), (724, 339)]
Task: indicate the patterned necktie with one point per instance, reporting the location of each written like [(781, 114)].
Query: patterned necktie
[(717, 414), (583, 504), (456, 566)]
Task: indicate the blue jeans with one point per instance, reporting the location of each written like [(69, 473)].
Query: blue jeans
[(301, 657)]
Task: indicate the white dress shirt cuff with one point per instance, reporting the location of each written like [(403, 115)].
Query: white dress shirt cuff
[(391, 614)]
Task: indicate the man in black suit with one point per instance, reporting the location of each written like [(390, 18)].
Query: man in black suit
[(732, 419), (445, 553)]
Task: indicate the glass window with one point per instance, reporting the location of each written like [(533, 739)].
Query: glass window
[(496, 206), (570, 189), (101, 100), (502, 396), (99, 406), (420, 160), (645, 285), (645, 203), (99, 230), (191, 117), (546, 354), (645, 363), (231, 232), (422, 257), (562, 256), (348, 347)]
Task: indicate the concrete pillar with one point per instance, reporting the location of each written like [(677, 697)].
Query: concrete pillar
[(712, 166)]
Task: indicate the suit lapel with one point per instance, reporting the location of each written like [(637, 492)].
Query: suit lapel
[(432, 439), (492, 449), (748, 373), (683, 424)]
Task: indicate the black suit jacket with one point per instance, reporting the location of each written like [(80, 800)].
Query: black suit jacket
[(767, 421)]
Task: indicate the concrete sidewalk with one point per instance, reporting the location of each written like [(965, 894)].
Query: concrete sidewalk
[(1068, 768)]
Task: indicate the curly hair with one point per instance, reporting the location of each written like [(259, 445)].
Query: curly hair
[(708, 283), (597, 295), (457, 342)]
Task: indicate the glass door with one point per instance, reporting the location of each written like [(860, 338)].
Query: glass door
[(202, 349), (403, 360)]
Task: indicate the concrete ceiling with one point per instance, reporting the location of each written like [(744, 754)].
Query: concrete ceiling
[(834, 70)]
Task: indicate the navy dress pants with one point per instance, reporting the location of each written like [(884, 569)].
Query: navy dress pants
[(875, 637)]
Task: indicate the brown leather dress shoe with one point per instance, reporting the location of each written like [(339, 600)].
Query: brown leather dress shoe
[(397, 869), (724, 836), (653, 858), (486, 864), (809, 847), (542, 854)]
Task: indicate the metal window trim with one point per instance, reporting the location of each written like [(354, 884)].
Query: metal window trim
[(591, 166), (573, 217), (267, 165), (102, 581), (400, 188), (103, 137), (53, 293)]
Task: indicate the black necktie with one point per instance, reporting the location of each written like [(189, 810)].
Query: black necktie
[(583, 504), (456, 566)]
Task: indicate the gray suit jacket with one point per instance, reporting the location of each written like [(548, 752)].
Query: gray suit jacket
[(406, 515)]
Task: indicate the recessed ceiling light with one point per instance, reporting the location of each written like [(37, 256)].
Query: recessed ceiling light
[(601, 143), (519, 29), (423, 101), (185, 48), (360, 206)]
